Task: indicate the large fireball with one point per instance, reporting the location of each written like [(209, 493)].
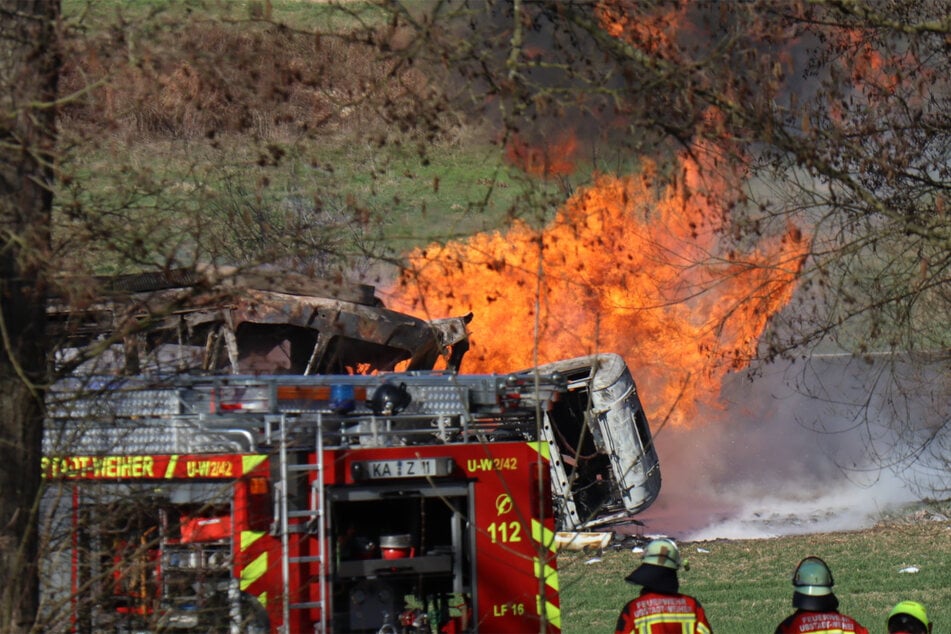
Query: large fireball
[(625, 267)]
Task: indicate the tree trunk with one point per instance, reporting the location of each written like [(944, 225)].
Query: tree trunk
[(29, 67)]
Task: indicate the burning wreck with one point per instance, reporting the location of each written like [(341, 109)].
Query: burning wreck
[(249, 323), (290, 455)]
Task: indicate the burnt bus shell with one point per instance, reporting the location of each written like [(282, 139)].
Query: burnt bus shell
[(605, 467)]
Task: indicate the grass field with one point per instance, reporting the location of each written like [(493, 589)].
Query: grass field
[(745, 585)]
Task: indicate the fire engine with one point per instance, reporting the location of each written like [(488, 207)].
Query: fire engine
[(417, 501)]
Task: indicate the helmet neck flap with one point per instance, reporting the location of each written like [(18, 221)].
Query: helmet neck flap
[(825, 603)]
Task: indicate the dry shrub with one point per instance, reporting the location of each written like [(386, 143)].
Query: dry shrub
[(203, 80)]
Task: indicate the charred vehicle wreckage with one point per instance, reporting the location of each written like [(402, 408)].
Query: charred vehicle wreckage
[(247, 453)]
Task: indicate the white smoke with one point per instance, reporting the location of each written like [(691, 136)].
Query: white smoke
[(795, 450), (846, 507)]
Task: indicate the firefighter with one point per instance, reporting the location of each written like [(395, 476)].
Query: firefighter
[(660, 608), (816, 605), (909, 617)]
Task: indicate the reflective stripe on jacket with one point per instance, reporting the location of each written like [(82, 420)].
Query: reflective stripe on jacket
[(804, 622), (655, 613)]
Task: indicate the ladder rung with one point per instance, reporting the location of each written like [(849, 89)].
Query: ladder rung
[(306, 560), (315, 513), (313, 525), (303, 467)]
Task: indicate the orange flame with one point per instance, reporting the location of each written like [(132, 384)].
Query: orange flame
[(868, 67), (555, 159), (644, 26), (625, 267)]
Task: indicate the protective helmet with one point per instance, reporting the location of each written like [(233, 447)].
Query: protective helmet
[(813, 578), (909, 616), (658, 569), (389, 399), (662, 552)]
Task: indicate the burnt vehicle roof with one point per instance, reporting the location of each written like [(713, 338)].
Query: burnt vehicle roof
[(271, 322)]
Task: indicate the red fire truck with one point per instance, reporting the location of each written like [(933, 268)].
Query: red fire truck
[(288, 501)]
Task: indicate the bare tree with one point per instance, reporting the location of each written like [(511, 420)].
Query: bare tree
[(29, 71), (831, 114), (817, 129), (823, 125), (179, 164)]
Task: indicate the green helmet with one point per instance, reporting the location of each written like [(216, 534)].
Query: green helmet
[(813, 578), (901, 612), (662, 552)]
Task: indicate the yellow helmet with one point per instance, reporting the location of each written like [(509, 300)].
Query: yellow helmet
[(900, 618)]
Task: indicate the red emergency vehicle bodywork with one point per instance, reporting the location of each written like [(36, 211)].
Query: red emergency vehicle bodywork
[(507, 578), (409, 503), (247, 458)]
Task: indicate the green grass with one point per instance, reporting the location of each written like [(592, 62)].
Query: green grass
[(409, 199), (745, 585), (134, 166)]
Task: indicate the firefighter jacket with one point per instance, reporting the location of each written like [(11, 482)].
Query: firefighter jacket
[(656, 613), (831, 622)]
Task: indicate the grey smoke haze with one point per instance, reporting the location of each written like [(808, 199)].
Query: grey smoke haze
[(829, 444)]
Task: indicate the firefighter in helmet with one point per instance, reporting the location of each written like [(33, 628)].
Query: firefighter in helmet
[(817, 608), (909, 617), (660, 608)]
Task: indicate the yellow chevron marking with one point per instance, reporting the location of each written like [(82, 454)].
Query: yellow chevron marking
[(253, 571), (544, 536), (249, 537), (541, 447), (170, 469), (549, 574), (552, 612), (250, 462)]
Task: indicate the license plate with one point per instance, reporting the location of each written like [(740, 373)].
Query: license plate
[(404, 468)]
